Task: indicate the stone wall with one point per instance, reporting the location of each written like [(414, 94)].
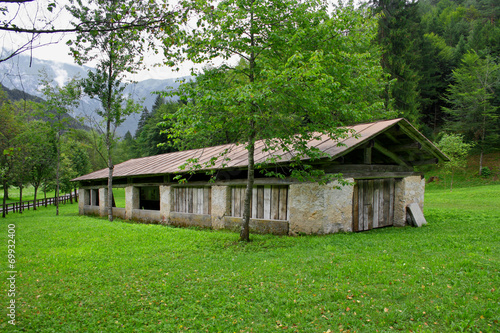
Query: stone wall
[(312, 208), (119, 212), (165, 203), (147, 216), (103, 201), (320, 209), (221, 205), (91, 210), (408, 190), (83, 200), (190, 220), (132, 200), (258, 226)]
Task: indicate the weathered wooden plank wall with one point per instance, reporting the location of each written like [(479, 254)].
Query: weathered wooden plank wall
[(373, 203), (269, 202), (194, 200)]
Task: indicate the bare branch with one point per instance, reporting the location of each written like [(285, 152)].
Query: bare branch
[(91, 27), (16, 1)]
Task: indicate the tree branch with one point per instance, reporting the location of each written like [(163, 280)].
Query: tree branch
[(86, 27), (16, 1)]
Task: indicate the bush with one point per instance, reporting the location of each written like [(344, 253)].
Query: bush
[(485, 172)]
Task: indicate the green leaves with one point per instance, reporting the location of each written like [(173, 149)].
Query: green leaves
[(51, 6), (472, 98)]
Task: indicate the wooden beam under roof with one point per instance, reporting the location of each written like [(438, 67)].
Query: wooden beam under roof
[(426, 144), (424, 162), (391, 137), (390, 154), (409, 146)]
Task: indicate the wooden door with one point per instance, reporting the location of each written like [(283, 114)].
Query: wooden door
[(373, 204)]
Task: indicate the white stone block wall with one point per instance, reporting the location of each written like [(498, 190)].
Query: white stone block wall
[(408, 190), (221, 205), (320, 209), (103, 201), (83, 198), (132, 201), (165, 203)]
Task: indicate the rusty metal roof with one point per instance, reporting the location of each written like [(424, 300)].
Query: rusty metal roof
[(236, 154)]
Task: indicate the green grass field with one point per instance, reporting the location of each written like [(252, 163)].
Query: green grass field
[(28, 194), (82, 274)]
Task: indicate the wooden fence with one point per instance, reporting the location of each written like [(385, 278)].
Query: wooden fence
[(16, 207)]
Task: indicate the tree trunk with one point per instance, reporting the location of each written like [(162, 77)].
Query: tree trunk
[(108, 135), (451, 184), (57, 171), (110, 194), (5, 194), (34, 198), (245, 223), (483, 136), (21, 198), (76, 195), (6, 191), (110, 173), (481, 162)]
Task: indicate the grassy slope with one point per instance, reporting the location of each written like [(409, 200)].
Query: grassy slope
[(80, 274), (469, 176)]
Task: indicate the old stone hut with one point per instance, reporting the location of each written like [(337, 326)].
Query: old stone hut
[(379, 162)]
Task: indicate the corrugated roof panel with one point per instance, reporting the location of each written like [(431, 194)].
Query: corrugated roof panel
[(237, 154)]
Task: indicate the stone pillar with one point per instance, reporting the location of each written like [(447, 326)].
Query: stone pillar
[(165, 203), (103, 201), (221, 205), (408, 190), (83, 199), (132, 201), (320, 209)]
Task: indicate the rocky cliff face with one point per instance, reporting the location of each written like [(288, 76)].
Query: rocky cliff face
[(23, 73)]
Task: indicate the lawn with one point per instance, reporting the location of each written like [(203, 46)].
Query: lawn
[(83, 274), (28, 194)]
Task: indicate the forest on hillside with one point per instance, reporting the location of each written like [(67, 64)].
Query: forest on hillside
[(436, 63)]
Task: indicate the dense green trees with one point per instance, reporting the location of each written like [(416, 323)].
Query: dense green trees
[(151, 137), (8, 131), (471, 97), (399, 36), (423, 42), (38, 145), (454, 29)]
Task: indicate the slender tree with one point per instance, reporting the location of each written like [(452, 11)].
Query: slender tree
[(302, 73), (42, 148), (60, 101), (117, 53), (457, 150)]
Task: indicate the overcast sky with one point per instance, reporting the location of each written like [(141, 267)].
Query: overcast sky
[(34, 12)]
